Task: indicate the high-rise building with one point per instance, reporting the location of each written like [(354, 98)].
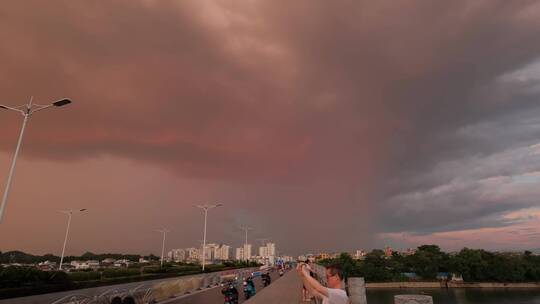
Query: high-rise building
[(210, 251), (222, 252), (193, 254), (239, 255), (263, 251), (271, 249), (247, 251), (177, 255)]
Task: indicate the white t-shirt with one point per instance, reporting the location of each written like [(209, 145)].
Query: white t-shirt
[(336, 296)]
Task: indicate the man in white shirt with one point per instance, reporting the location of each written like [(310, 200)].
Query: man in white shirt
[(333, 294)]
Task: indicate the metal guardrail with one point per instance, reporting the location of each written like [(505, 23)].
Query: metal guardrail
[(146, 293)]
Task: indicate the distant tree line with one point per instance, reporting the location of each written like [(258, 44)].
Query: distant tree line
[(474, 265), (25, 258)]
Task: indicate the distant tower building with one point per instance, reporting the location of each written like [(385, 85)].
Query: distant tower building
[(223, 252), (239, 254), (177, 255), (192, 254), (247, 251), (212, 252), (263, 251), (271, 249)]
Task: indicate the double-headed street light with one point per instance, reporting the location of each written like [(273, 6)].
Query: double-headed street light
[(69, 213), (205, 208), (26, 110)]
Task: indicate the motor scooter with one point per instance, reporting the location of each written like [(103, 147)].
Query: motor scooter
[(266, 279), (231, 293), (249, 288)]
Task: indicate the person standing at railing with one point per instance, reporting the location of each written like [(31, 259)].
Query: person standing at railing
[(333, 294)]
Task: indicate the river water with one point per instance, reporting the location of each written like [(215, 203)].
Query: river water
[(460, 295)]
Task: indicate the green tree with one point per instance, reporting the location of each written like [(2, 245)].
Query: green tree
[(428, 261)]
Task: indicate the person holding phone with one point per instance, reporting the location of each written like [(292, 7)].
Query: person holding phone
[(333, 294)]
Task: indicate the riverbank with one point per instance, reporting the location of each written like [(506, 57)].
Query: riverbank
[(443, 284)]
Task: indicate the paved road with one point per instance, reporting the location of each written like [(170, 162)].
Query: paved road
[(214, 295), (286, 290)]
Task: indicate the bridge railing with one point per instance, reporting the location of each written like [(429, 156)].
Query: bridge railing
[(155, 292)]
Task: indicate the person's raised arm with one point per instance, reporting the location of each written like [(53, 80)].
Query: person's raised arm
[(310, 282)]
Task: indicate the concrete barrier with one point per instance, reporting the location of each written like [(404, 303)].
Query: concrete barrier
[(357, 290), (206, 282), (169, 289), (162, 291), (198, 283), (217, 280), (413, 299), (183, 287)]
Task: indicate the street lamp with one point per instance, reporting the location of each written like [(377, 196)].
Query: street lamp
[(69, 214), (164, 231), (205, 208), (26, 110), (246, 229)]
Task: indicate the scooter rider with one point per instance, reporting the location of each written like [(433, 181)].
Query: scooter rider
[(231, 293), (266, 279), (249, 288)]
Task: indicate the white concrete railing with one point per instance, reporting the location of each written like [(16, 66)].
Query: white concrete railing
[(413, 299), (156, 292)]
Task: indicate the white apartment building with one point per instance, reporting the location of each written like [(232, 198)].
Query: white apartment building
[(267, 254), (210, 251), (177, 255), (223, 252), (193, 254), (122, 263), (85, 264), (239, 254), (263, 251), (271, 249), (247, 251)]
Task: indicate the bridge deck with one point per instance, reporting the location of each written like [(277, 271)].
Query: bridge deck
[(286, 290)]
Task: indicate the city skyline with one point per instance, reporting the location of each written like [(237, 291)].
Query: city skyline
[(325, 126)]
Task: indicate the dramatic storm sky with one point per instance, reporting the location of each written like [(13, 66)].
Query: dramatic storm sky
[(324, 125)]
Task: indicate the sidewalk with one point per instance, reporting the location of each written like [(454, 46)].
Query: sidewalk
[(286, 290)]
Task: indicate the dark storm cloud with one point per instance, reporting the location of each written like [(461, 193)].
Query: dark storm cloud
[(353, 103)]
